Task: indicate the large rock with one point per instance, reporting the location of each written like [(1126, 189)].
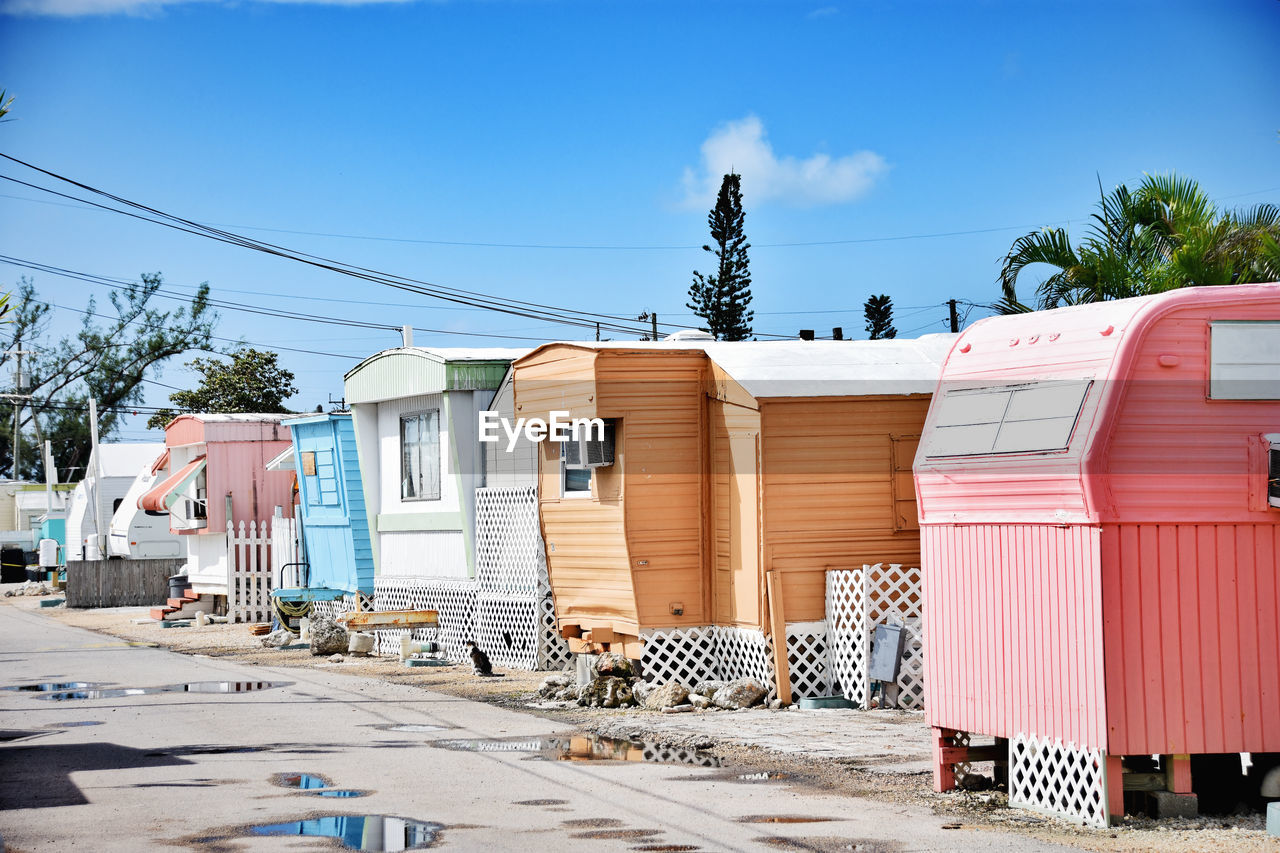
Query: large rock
[(641, 690), (327, 636), (697, 700), (606, 691), (708, 688), (611, 664), (741, 693), (553, 684), (667, 696)]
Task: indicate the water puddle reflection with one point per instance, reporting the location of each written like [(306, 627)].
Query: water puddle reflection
[(360, 832), (224, 687)]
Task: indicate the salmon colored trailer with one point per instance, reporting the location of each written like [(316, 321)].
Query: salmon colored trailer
[(1101, 547), (732, 461)]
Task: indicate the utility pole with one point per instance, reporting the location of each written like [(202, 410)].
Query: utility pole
[(652, 317), (19, 385), (955, 318), (97, 477), (597, 330)]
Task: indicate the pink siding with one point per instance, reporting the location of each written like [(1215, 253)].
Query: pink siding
[(1046, 345), (1191, 635), (184, 429), (1173, 454), (239, 468), (1013, 630)]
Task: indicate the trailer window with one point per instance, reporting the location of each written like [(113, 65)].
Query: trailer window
[(420, 456), (1244, 360), (1034, 417)]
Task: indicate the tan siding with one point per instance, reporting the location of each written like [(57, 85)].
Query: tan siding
[(734, 433), (658, 398), (830, 498)]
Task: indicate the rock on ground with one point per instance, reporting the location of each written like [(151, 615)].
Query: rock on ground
[(741, 693), (667, 696), (277, 639), (556, 683), (611, 664), (641, 690), (699, 701), (607, 691), (708, 688), (327, 636)]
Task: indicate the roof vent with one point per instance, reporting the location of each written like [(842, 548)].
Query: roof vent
[(690, 335)]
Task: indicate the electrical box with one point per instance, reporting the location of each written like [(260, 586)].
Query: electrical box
[(886, 652)]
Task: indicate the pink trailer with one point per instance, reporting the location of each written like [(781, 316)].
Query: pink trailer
[(217, 475), (1100, 545)]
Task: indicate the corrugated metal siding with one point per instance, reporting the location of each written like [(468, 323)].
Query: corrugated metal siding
[(240, 468), (829, 499), (1191, 635), (394, 373), (1013, 626)]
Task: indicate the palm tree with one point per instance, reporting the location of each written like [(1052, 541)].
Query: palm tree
[(1165, 235)]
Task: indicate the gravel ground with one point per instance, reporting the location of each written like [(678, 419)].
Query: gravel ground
[(848, 775)]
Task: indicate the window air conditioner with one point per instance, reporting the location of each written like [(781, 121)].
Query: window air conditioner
[(1273, 469), (589, 451)]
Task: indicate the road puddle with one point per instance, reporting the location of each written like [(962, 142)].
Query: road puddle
[(374, 833), (300, 781), (221, 687), (783, 818), (584, 748), (72, 724), (668, 848), (829, 844), (53, 686), (314, 785)]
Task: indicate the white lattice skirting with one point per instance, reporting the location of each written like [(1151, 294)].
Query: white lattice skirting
[(857, 601), (705, 652), (1060, 779)]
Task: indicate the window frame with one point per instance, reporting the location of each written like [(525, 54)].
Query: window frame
[(438, 457), (1013, 389), (1225, 383)]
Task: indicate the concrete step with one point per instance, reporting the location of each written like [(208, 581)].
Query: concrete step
[(161, 612)]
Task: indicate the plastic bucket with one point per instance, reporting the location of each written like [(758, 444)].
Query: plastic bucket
[(178, 586)]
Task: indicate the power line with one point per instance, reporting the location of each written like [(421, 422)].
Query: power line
[(450, 294)]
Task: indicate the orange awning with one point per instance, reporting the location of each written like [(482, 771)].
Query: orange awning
[(161, 497), (162, 462)]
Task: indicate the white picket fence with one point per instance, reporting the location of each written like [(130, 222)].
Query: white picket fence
[(249, 571)]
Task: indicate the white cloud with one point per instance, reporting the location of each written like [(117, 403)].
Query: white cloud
[(741, 146), (824, 12), (80, 8)]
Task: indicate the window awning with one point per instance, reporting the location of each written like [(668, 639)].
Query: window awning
[(282, 461), (162, 497), (162, 462)]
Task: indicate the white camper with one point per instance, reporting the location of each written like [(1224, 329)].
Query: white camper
[(117, 465), (137, 534)]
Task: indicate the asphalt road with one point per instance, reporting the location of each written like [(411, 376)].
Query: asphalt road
[(200, 769)]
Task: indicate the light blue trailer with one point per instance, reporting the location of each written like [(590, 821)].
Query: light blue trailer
[(331, 508)]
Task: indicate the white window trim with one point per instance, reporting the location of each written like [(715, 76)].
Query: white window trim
[(439, 457)]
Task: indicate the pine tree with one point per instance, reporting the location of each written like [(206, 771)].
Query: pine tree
[(879, 314), (722, 299)]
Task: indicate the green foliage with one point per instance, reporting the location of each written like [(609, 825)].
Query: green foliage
[(722, 299), (1165, 235), (252, 381), (5, 104), (108, 360), (879, 313)]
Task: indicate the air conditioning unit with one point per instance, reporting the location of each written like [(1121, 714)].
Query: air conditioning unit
[(1273, 469), (590, 451)]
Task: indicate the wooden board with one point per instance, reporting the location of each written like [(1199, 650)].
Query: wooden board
[(392, 619)]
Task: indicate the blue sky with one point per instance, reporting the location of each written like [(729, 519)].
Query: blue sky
[(608, 125)]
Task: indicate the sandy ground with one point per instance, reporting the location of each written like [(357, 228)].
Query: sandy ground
[(900, 779)]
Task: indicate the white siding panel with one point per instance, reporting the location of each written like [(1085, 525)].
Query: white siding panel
[(207, 565), (423, 554)]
